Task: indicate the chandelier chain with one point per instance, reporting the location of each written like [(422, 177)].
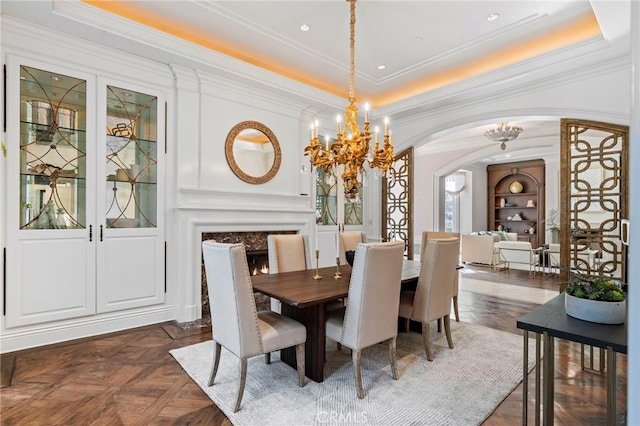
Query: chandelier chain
[(352, 72), (351, 148)]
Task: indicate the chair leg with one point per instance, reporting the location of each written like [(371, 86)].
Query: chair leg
[(300, 363), (267, 358), (392, 357), (355, 355), (455, 308), (425, 339), (407, 322), (243, 380), (447, 330), (439, 325), (216, 362), (339, 346)]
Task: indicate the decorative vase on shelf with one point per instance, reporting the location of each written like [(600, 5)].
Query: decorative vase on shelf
[(532, 230), (502, 202), (516, 187), (27, 214), (61, 221)]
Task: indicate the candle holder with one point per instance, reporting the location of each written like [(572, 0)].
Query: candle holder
[(317, 276), (338, 274)]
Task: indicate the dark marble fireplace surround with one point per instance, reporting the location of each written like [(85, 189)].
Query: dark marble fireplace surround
[(257, 255)]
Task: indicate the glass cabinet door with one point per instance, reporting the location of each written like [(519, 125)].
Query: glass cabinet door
[(52, 150), (131, 159), (328, 198)]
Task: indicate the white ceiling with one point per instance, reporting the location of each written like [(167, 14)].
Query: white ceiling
[(416, 40)]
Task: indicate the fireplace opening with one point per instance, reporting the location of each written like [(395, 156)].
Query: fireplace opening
[(258, 261)]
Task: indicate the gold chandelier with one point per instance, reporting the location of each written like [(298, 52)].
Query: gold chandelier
[(351, 149)]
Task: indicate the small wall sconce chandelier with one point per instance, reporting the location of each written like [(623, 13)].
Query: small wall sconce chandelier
[(351, 149), (503, 134)]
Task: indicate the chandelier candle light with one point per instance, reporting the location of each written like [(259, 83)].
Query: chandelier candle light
[(351, 149), (503, 134)]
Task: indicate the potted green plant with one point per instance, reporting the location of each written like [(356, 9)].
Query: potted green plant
[(595, 299)]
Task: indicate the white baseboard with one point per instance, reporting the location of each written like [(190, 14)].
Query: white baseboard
[(47, 334)]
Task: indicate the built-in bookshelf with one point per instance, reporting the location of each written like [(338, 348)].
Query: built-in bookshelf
[(516, 194)]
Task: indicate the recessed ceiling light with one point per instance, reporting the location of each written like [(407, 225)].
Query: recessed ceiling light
[(507, 155), (304, 27), (381, 67), (492, 17), (417, 39)]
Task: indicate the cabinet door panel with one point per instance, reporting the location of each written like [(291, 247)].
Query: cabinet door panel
[(130, 269), (50, 205), (50, 280), (131, 275)]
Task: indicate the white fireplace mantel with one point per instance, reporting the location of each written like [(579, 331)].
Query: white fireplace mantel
[(202, 211), (198, 199)]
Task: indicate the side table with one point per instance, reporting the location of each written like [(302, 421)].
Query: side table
[(550, 321)]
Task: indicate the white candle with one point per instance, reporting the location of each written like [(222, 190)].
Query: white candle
[(326, 142), (339, 120), (338, 243), (311, 130), (317, 125), (386, 125), (316, 237), (366, 112)]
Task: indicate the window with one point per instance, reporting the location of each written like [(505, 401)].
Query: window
[(453, 185)]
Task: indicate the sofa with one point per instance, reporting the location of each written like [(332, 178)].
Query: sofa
[(480, 247)]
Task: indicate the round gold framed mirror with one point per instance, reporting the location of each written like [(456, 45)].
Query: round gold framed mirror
[(253, 152)]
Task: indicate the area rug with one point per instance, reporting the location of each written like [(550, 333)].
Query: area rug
[(462, 386)]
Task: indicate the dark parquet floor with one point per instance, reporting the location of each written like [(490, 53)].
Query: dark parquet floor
[(129, 378)]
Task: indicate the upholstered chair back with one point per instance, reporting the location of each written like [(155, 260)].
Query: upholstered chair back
[(426, 235), (234, 319), (348, 241), (437, 279), (287, 253), (374, 294)]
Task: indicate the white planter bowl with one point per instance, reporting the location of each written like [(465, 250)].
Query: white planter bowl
[(595, 311)]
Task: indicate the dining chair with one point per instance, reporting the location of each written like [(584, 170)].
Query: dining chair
[(432, 298), (348, 241), (371, 316), (426, 235), (235, 323), (287, 253)]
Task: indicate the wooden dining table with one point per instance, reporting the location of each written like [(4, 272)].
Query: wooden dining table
[(305, 299)]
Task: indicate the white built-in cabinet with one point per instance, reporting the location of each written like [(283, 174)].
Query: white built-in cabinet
[(85, 160)]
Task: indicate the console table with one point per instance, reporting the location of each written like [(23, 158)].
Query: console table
[(550, 321)]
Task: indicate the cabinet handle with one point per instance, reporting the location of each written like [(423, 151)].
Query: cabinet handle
[(90, 232), (100, 232)]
